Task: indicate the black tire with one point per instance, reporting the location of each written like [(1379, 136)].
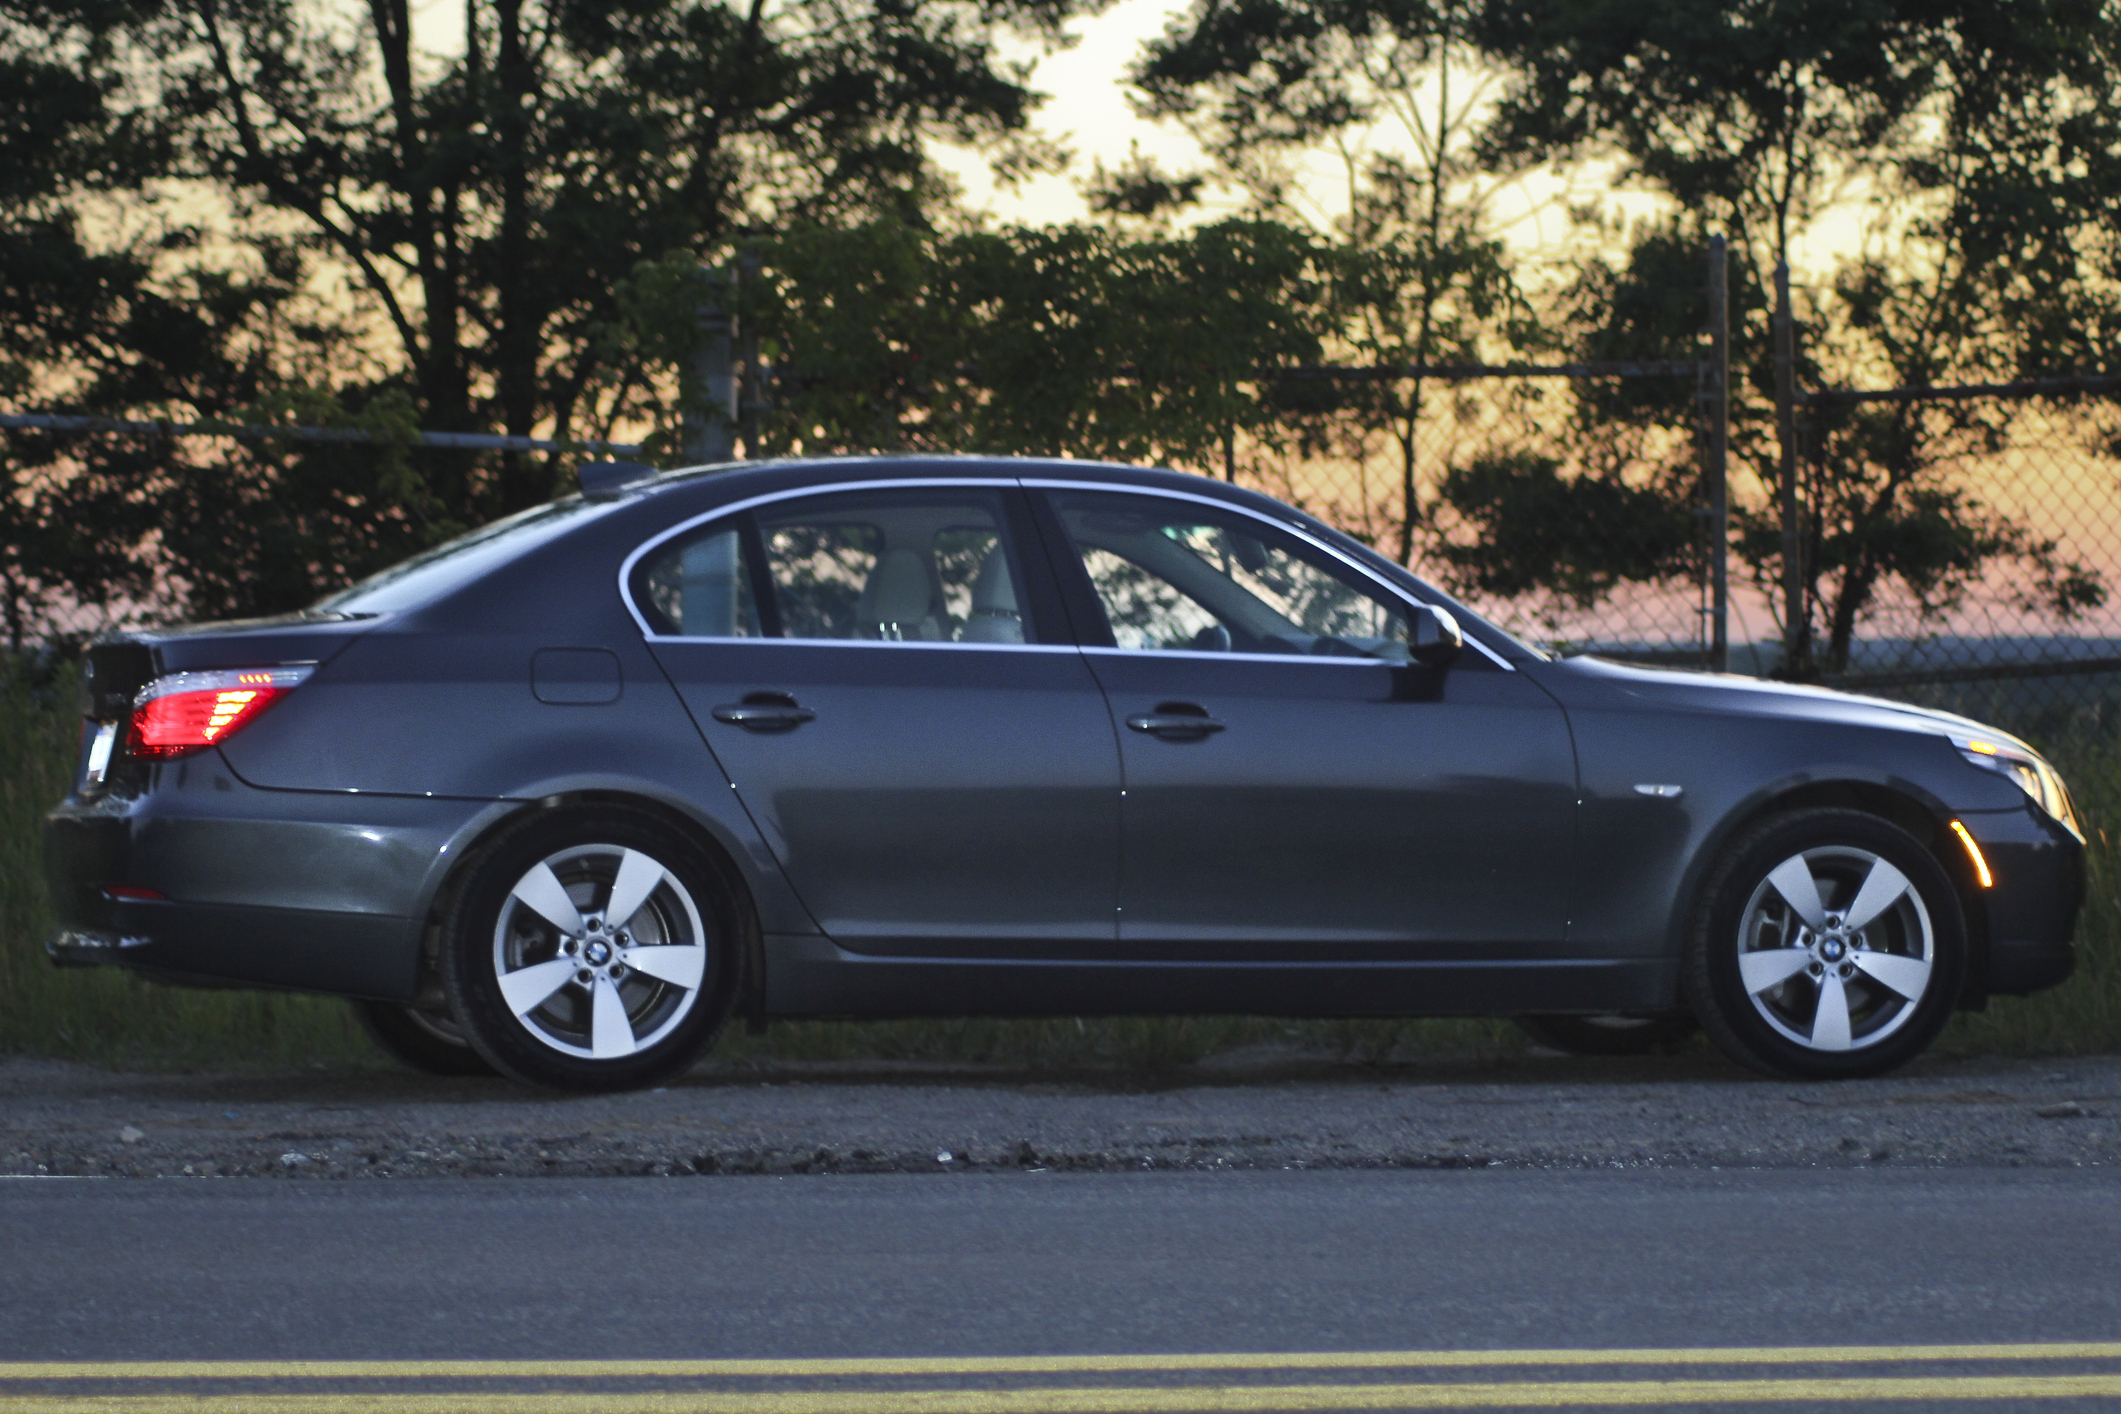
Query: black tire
[(429, 1043), (553, 993), (1609, 1035), (1810, 999)]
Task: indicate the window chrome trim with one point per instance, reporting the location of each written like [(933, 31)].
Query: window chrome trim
[(655, 542), (1238, 656), (1121, 488), (868, 643)]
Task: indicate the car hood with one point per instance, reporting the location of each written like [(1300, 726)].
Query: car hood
[(1754, 697)]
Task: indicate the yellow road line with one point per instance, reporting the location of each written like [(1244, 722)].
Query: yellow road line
[(1036, 1364), (1228, 1399)]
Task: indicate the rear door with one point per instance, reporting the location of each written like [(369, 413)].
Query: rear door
[(883, 673), (1296, 787)]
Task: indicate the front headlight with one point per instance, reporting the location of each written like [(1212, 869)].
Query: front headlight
[(2033, 775)]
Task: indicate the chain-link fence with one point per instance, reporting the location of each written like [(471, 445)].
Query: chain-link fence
[(1989, 522), (1955, 546), (1958, 547), (1578, 532), (114, 522)]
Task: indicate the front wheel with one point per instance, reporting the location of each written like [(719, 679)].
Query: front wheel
[(591, 950), (1829, 944)]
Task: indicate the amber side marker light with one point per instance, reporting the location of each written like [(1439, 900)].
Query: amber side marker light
[(1973, 852)]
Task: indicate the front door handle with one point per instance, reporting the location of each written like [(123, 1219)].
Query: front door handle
[(765, 712), (1176, 721)]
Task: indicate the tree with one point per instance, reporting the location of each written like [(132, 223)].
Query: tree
[(1263, 83), (376, 237), (1070, 340), (1609, 494), (488, 212), (1760, 116)]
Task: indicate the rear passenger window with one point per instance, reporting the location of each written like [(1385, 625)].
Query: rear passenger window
[(912, 565), (702, 588)]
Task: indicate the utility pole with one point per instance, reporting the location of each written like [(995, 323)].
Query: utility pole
[(1715, 455), (753, 394), (1796, 616), (710, 398)]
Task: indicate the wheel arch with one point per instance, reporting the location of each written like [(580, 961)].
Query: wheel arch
[(1928, 821), (721, 854)]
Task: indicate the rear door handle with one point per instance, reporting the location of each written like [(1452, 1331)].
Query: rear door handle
[(1176, 726), (765, 712)]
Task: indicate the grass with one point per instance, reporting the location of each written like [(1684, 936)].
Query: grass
[(103, 1015), (110, 1018)]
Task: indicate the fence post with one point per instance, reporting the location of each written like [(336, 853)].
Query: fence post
[(1796, 618), (753, 395), (1716, 446), (710, 403)]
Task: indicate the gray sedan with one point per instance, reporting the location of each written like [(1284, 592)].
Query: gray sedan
[(919, 737)]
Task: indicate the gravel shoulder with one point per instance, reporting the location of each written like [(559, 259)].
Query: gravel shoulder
[(1249, 1110)]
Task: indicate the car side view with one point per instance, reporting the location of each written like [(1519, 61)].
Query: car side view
[(882, 737)]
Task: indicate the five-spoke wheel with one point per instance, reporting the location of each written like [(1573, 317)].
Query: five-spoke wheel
[(1832, 943), (591, 950)]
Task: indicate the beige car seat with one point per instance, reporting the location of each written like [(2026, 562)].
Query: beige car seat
[(898, 602), (995, 617)]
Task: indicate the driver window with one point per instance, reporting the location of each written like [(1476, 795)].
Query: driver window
[(1180, 575)]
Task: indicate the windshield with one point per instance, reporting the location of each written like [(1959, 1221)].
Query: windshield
[(431, 574)]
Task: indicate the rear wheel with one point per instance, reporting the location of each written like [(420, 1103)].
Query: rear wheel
[(1829, 944), (1609, 1035), (427, 1041), (591, 950)]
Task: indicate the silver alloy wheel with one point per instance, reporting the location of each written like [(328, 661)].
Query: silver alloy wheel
[(599, 951), (1835, 948)]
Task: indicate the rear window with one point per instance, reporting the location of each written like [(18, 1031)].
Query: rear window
[(431, 574)]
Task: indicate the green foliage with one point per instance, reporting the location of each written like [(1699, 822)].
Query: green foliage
[(104, 1016), (481, 213), (1042, 340), (1751, 110), (1576, 537)]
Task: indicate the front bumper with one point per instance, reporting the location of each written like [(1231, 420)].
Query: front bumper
[(2031, 912), (308, 890)]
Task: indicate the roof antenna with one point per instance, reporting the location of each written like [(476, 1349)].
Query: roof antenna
[(602, 481)]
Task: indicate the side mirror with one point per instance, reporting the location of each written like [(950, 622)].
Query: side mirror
[(1433, 639)]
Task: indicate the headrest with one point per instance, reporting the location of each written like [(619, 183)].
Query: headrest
[(898, 593), (994, 590)]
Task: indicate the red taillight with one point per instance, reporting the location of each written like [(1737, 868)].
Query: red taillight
[(132, 893), (187, 712)]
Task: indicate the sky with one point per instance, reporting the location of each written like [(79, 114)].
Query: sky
[(1088, 112)]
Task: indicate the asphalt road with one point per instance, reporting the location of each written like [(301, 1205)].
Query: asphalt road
[(865, 1268)]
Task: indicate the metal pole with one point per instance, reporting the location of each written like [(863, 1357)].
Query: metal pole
[(1717, 455), (1796, 618), (751, 404), (710, 402)]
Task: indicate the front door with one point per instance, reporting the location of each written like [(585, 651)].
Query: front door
[(924, 751), (1296, 787)]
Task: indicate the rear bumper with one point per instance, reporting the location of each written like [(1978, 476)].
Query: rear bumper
[(367, 955), (2031, 912), (313, 891)]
